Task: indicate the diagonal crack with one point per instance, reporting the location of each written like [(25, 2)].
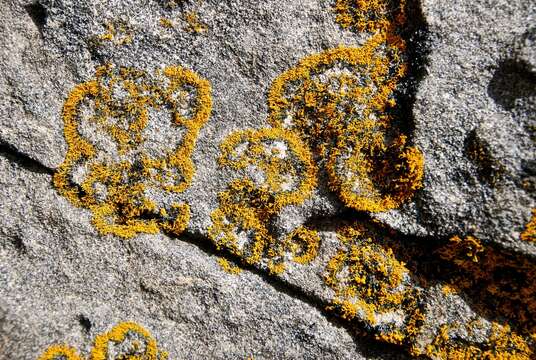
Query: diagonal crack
[(25, 161), (366, 342)]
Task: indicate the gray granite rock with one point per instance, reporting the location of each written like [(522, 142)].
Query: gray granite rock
[(477, 97), (60, 283), (470, 106)]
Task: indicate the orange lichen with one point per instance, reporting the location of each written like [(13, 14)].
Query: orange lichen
[(303, 244), (337, 101), (166, 23), (127, 340), (229, 267), (143, 345), (529, 234), (504, 283), (328, 93), (469, 245), (57, 352), (335, 106), (370, 15), (501, 344), (277, 171), (372, 177), (194, 23), (115, 179), (367, 279), (117, 32)]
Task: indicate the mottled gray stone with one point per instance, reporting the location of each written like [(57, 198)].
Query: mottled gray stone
[(476, 92), (56, 274)]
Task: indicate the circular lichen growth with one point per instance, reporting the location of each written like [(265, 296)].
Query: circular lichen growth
[(109, 168)]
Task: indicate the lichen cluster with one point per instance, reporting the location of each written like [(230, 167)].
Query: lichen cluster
[(339, 102), (502, 281), (375, 287), (117, 32), (529, 234), (332, 114), (501, 343), (276, 170), (502, 287), (127, 341), (371, 15), (330, 111), (370, 283), (188, 15), (114, 165)]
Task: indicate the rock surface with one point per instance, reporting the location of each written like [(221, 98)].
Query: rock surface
[(448, 273), (474, 120), (62, 283)]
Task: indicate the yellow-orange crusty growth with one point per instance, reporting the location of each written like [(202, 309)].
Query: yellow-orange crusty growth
[(369, 282), (331, 109), (127, 340), (469, 245), (529, 234), (277, 170), (329, 93), (503, 282), (166, 23), (194, 23), (111, 167), (371, 15), (60, 352), (501, 344), (371, 176), (304, 244), (117, 33), (504, 286), (338, 102), (229, 267)]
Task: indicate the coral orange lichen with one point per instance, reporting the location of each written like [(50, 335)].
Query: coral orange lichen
[(57, 352), (278, 171), (133, 343), (529, 234), (367, 279), (118, 176)]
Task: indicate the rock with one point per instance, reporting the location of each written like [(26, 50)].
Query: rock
[(62, 283), (474, 119), (525, 50), (267, 179)]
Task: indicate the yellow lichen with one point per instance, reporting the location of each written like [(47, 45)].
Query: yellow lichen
[(166, 23), (367, 279), (229, 267), (504, 283), (501, 344), (337, 102), (372, 177), (370, 15), (194, 23), (529, 234), (304, 244), (278, 171), (136, 344), (449, 289), (469, 245), (57, 352), (118, 177), (117, 32)]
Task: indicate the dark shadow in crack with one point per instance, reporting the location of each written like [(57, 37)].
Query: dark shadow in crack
[(511, 84), (38, 14), (14, 155)]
